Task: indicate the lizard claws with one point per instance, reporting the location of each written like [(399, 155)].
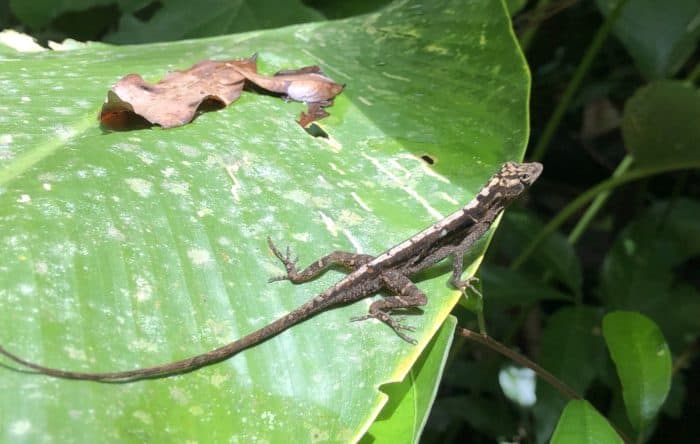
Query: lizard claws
[(395, 325), (289, 263), (469, 284)]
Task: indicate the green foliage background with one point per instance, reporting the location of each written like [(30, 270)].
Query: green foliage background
[(122, 249)]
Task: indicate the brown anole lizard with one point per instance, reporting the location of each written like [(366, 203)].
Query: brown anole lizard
[(391, 270)]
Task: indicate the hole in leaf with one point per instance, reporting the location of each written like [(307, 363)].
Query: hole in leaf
[(316, 131), (427, 159)]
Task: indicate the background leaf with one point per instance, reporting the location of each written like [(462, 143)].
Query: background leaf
[(659, 39), (175, 20), (581, 423), (38, 13), (643, 362), (136, 248), (570, 343), (660, 125), (643, 271)]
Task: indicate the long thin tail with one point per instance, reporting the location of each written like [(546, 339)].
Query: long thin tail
[(185, 365)]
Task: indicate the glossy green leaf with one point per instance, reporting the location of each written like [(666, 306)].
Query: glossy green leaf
[(643, 362), (570, 343), (129, 249), (402, 419), (659, 39), (177, 20), (660, 125), (580, 423), (514, 6), (640, 271)]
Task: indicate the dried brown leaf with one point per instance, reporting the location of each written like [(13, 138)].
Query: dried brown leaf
[(174, 101)]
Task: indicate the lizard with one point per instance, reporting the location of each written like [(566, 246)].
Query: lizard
[(451, 237)]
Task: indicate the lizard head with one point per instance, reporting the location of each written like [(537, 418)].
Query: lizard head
[(514, 178), (510, 181)]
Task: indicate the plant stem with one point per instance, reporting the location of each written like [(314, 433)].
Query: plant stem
[(694, 74), (491, 343), (528, 35), (573, 86), (597, 203), (586, 196)]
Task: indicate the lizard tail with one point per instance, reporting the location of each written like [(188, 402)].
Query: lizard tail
[(185, 365)]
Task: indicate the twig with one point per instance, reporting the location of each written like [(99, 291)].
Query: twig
[(491, 343)]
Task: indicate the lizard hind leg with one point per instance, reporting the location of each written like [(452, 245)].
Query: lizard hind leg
[(407, 295), (349, 261)]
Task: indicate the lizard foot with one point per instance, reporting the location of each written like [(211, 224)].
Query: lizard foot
[(287, 260), (395, 324), (468, 284)]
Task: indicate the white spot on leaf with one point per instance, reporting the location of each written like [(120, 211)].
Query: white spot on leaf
[(114, 233), (199, 256), (144, 290), (41, 268), (179, 396), (179, 188), (204, 212), (328, 222), (74, 353), (142, 416), (217, 379), (301, 237), (140, 186), (20, 427)]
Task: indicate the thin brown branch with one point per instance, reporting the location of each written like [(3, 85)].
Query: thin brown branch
[(496, 346)]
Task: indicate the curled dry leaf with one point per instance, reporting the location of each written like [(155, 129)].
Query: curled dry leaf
[(175, 100), (308, 84)]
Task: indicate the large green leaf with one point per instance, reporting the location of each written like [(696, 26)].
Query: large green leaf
[(405, 415), (131, 249), (643, 362)]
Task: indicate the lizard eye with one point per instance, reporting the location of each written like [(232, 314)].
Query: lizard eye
[(524, 177)]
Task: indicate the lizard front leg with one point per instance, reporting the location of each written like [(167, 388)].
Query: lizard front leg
[(407, 295), (476, 233), (456, 279), (350, 261)]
